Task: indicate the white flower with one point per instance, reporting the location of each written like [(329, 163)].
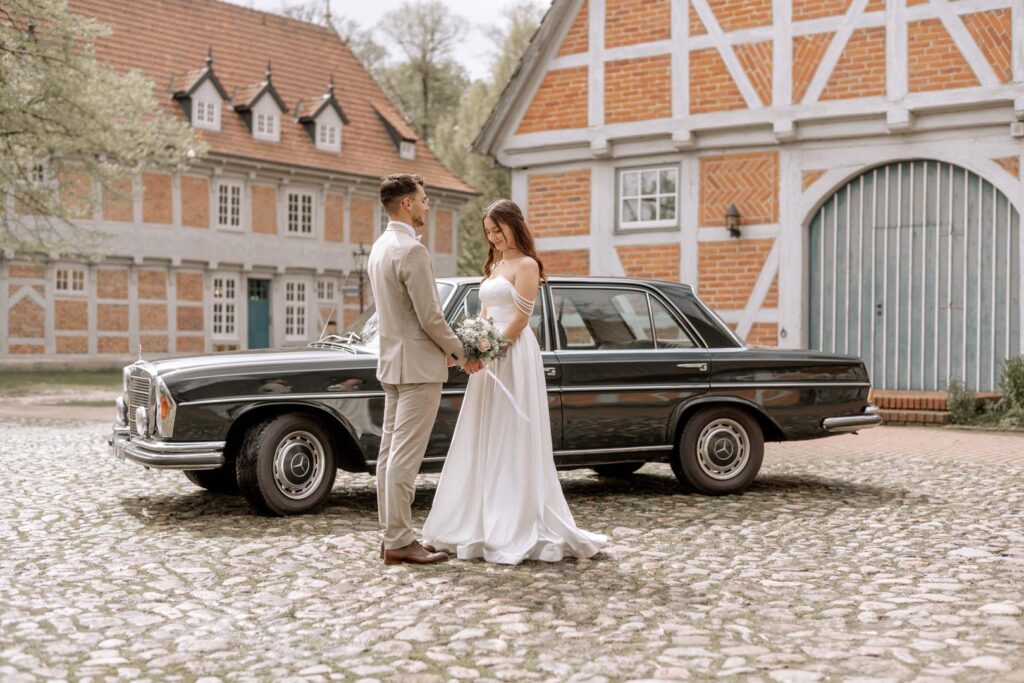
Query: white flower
[(484, 345)]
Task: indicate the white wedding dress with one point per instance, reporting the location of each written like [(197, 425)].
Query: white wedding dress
[(499, 497)]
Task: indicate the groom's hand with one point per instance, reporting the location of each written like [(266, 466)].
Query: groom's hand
[(451, 362), (472, 366)]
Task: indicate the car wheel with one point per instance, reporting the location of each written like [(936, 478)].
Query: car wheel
[(720, 451), (286, 465), (221, 480), (619, 469)]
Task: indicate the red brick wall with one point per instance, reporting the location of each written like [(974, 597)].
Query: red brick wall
[(153, 343), (756, 59), (560, 102), (815, 9), (195, 202), (576, 40), (334, 217), (444, 225), (190, 318), (659, 261), (112, 317), (67, 344), (76, 193), (628, 22), (763, 334), (860, 71), (933, 60), (152, 317), (152, 284), (189, 286), (157, 198), (559, 203), (112, 283), (112, 344), (24, 271), (71, 314), (711, 86), (27, 319), (26, 348), (638, 89), (733, 16), (566, 261), (808, 178), (264, 209), (807, 54), (361, 215), (751, 181), (728, 271), (117, 202), (991, 30), (190, 345), (1011, 164)]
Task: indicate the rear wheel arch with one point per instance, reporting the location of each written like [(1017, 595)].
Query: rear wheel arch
[(346, 447), (769, 427)]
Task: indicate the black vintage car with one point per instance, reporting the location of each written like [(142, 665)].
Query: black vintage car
[(638, 371)]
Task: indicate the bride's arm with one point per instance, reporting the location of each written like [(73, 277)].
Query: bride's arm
[(523, 294)]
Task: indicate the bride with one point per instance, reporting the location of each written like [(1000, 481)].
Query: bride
[(499, 497)]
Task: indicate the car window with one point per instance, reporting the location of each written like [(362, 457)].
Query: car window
[(470, 306), (613, 318), (668, 333)]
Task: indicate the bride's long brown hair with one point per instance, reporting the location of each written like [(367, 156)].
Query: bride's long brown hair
[(506, 213)]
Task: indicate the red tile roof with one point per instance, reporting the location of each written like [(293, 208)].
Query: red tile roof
[(168, 41)]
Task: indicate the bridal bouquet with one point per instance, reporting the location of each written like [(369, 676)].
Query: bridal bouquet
[(482, 340)]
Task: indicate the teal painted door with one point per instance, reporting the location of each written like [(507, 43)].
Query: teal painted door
[(915, 267), (259, 314)]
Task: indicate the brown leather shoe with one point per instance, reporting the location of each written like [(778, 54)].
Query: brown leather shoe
[(426, 546), (414, 553)]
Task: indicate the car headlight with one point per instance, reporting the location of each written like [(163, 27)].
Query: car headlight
[(165, 410), (141, 421)]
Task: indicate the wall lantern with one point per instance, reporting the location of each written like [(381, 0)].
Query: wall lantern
[(732, 220)]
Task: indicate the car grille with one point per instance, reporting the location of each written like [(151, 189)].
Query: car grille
[(138, 395)]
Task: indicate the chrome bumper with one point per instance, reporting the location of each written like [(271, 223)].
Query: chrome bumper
[(852, 423), (166, 455)]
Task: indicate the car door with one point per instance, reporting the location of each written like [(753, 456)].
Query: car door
[(627, 360), (467, 305)]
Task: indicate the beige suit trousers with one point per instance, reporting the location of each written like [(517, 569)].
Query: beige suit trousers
[(409, 414)]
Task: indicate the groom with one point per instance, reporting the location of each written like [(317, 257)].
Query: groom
[(415, 342)]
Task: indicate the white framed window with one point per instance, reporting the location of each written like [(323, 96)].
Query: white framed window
[(648, 197), (326, 291), (407, 150), (300, 213), (328, 137), (225, 307), (266, 126), (229, 204), (206, 114), (70, 280), (294, 310)]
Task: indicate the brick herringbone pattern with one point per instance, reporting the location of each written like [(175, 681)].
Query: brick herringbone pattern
[(807, 54), (934, 62), (577, 39), (756, 59), (860, 71), (1011, 164), (808, 178), (750, 181), (991, 31)]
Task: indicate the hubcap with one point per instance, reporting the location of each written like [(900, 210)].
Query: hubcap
[(723, 449), (298, 465)]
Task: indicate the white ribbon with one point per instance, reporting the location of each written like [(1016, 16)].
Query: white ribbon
[(508, 393)]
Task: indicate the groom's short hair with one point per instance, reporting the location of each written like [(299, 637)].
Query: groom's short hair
[(398, 185)]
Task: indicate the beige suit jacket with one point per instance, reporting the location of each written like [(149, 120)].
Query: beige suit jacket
[(414, 337)]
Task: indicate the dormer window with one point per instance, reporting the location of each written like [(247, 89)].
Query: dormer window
[(200, 95), (323, 119), (261, 108), (401, 133)]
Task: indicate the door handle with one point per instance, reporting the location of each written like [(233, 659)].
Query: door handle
[(702, 367), (550, 372)]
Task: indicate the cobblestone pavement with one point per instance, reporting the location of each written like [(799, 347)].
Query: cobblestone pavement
[(894, 555)]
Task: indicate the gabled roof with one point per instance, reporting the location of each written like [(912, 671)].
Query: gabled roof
[(246, 97), (398, 128), (307, 110), (528, 64), (186, 85), (165, 38)]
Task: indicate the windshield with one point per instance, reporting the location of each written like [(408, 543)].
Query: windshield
[(363, 335)]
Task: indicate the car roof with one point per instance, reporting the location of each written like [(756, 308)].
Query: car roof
[(569, 279)]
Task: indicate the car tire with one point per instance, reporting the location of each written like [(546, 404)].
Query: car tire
[(719, 452), (221, 480), (286, 465), (618, 470)]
